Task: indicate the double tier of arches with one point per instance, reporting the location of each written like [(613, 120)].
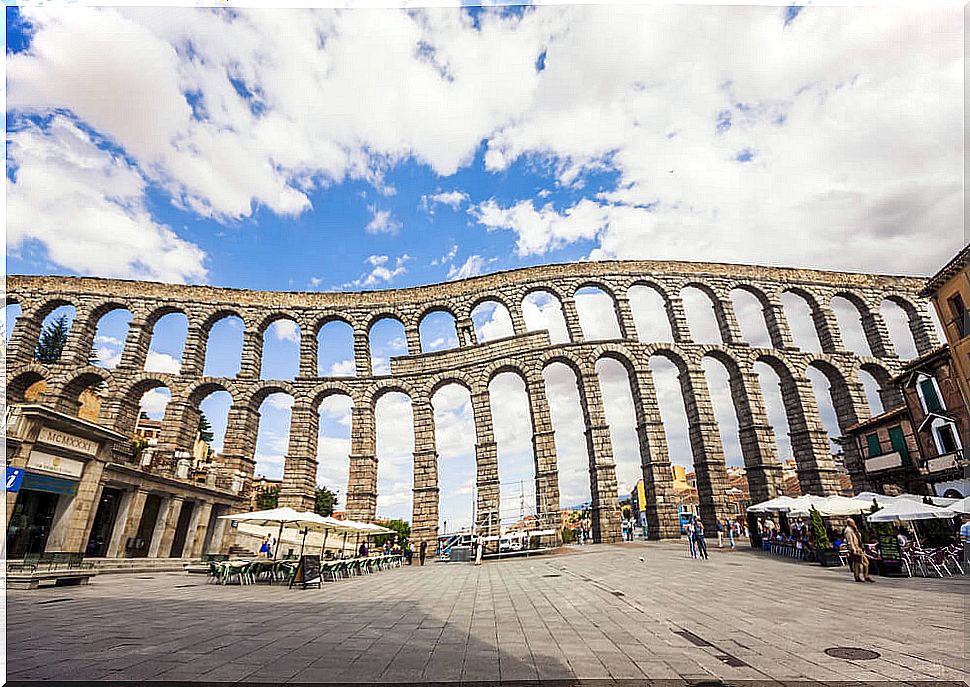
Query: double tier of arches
[(523, 328)]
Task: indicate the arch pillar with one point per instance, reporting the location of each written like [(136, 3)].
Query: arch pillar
[(809, 442), (662, 517), (413, 336), (193, 354), (710, 467), (300, 464), (252, 354), (309, 350), (518, 321), (362, 481), (624, 315), (827, 329), (602, 468), (23, 339), (679, 328), (877, 334), (757, 438), (180, 427), (571, 315), (135, 353), (777, 324), (486, 465), (465, 328), (424, 520), (80, 340), (727, 321), (544, 450), (239, 448), (362, 353), (851, 407), (923, 331)]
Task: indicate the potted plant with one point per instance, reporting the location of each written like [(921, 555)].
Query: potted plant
[(827, 556)]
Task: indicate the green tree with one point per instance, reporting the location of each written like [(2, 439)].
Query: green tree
[(205, 429), (402, 529), (52, 340), (818, 530), (265, 500), (325, 502)]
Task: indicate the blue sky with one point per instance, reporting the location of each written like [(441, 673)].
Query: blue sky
[(369, 149)]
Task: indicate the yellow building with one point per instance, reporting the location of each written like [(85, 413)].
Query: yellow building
[(949, 289), (679, 474)]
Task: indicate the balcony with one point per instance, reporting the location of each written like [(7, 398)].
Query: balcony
[(946, 462), (887, 461)]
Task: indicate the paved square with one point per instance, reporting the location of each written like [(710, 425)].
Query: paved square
[(596, 612)]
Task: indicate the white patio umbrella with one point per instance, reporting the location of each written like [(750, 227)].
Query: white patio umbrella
[(802, 505), (961, 506), (843, 505), (283, 516), (779, 503), (903, 510)]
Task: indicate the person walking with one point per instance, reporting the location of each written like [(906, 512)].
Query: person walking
[(423, 551), (857, 555), (730, 530), (720, 534), (264, 547), (479, 550), (690, 538), (699, 536)]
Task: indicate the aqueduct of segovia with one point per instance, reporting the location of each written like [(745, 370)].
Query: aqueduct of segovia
[(474, 364)]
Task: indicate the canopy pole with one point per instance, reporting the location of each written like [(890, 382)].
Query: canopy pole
[(343, 547), (279, 540), (357, 545), (323, 548), (303, 543)]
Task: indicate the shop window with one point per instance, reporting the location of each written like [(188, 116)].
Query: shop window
[(898, 442), (959, 312), (872, 442), (931, 399), (946, 439)]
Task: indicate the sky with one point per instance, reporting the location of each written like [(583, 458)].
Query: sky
[(367, 149)]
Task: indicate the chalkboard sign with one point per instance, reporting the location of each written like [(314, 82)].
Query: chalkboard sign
[(307, 572), (892, 558)]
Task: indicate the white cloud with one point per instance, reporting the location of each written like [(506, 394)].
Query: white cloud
[(541, 310), (279, 402), (286, 330), (162, 362), (63, 179), (492, 321), (472, 267), (343, 368), (154, 402), (447, 257), (315, 282), (822, 139), (380, 272), (381, 222), (453, 199)]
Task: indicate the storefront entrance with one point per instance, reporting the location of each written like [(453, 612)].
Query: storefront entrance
[(104, 523), (182, 529), (137, 546), (30, 524)]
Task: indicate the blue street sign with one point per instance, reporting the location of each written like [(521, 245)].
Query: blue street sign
[(15, 477)]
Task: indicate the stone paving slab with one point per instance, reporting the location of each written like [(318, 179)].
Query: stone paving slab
[(596, 612)]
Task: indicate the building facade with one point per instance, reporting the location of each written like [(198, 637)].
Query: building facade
[(949, 291)]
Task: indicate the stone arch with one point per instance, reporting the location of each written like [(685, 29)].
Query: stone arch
[(889, 393), (331, 388), (84, 379), (269, 387), (443, 379), (865, 320), (483, 336), (195, 393), (447, 338), (591, 328), (824, 328), (209, 328), (772, 337), (702, 332), (558, 328), (21, 379), (918, 334), (809, 442), (666, 309), (331, 347), (496, 368), (281, 345), (381, 354), (88, 334), (382, 387), (126, 402)]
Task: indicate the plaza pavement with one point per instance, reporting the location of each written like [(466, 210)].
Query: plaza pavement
[(592, 612)]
